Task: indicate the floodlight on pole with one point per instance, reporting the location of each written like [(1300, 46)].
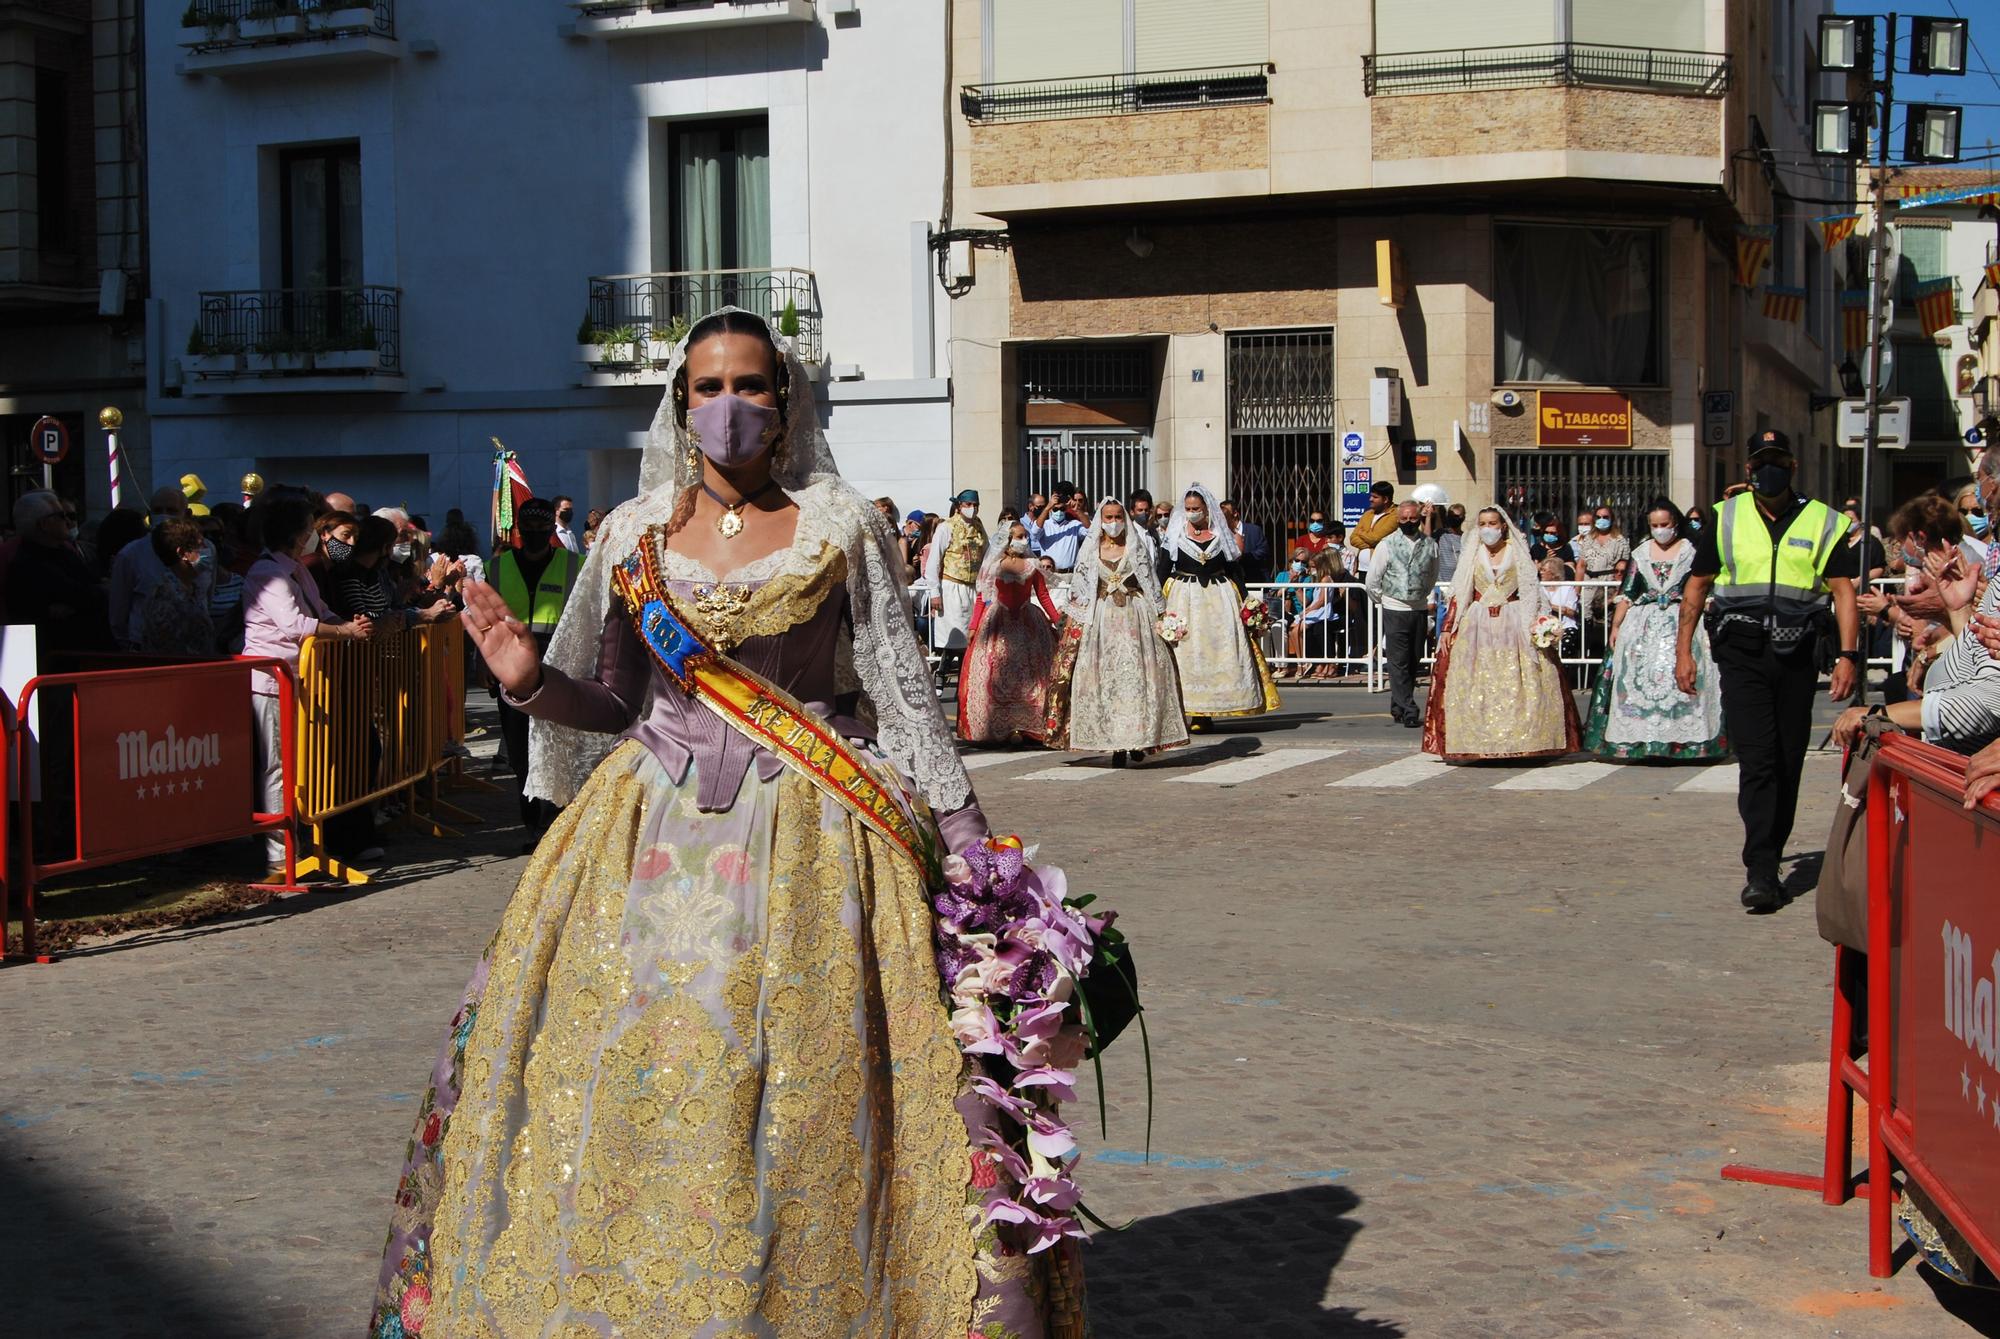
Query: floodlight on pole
[(1838, 130), (1937, 46), (1931, 132), (1839, 43)]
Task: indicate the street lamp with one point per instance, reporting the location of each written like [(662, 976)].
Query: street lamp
[(1838, 130), (1937, 46), (1931, 134), (1839, 43)]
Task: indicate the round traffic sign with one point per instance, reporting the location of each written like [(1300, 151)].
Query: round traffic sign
[(49, 440)]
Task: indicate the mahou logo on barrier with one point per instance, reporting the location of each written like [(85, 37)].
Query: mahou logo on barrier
[(165, 763)]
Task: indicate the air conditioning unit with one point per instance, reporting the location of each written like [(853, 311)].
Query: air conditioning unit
[(1507, 399)]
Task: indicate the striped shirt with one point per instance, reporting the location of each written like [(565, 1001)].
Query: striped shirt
[(1961, 701)]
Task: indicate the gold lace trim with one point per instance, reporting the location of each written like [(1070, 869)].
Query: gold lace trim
[(728, 615)]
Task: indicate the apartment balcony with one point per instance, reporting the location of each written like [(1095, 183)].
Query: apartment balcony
[(295, 340), (631, 322), (1561, 110), (640, 18), (228, 37), (1119, 139)]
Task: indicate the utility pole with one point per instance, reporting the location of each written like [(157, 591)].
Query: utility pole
[(1878, 321)]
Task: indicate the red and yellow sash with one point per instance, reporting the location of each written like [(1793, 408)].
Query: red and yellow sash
[(764, 713)]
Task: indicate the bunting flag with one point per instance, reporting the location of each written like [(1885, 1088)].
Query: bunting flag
[(1782, 302), (1937, 305), (510, 490), (1836, 228), (1854, 319), (1993, 275), (1917, 197), (1753, 252)]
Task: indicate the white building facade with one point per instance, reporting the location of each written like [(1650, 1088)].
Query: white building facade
[(383, 236)]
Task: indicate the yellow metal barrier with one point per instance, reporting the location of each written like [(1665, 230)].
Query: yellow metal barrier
[(375, 717)]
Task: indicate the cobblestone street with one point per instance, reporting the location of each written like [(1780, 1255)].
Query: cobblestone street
[(1437, 1054)]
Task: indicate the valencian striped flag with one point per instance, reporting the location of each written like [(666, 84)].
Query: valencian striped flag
[(1937, 304), (510, 490), (1782, 302), (1853, 318), (1993, 275), (1836, 228), (1753, 251)]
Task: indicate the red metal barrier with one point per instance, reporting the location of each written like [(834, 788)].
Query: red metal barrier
[(163, 760), (1931, 1005)]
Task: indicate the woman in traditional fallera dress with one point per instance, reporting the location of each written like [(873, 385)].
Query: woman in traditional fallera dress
[(1222, 671), (1116, 686), (1495, 693), (703, 1081), (1637, 710), (1003, 685)]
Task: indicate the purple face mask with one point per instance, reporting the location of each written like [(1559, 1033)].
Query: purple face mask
[(730, 430)]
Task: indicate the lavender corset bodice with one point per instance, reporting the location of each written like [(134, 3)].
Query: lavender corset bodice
[(788, 628)]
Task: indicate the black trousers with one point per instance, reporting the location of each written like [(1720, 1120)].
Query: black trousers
[(536, 815), (1767, 702), (1402, 643)]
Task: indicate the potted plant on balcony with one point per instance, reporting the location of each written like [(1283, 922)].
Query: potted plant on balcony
[(332, 16), (355, 351), (266, 19), (618, 347), (788, 320), (206, 357), (660, 340), (209, 21)]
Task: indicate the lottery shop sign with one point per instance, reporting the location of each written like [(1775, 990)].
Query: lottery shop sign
[(166, 762), (1582, 418)]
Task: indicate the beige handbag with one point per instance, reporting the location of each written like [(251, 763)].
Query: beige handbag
[(1842, 896)]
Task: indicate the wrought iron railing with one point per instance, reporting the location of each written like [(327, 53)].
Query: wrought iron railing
[(633, 309), (293, 20), (601, 8), (1580, 64), (1114, 94), (299, 324)]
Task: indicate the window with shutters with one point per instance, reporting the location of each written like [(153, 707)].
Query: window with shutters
[(1077, 39)]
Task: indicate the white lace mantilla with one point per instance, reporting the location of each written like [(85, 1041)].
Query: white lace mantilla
[(893, 676)]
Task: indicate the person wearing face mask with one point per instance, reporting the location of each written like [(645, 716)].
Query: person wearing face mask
[(1222, 669), (281, 608), (1003, 684), (1401, 575), (951, 570), (1637, 710), (1765, 575), (1139, 514), (1963, 493), (1603, 554), (1057, 530), (535, 581), (566, 535), (1316, 536), (138, 569), (1115, 687), (1496, 690), (173, 620)]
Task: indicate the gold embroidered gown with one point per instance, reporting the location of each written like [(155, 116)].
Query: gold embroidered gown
[(1494, 693), (703, 1081)]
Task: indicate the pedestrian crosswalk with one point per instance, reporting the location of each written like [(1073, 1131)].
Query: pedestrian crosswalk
[(1360, 767)]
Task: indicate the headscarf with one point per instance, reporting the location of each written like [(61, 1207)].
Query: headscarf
[(888, 665), (1526, 578), (1082, 602), (1177, 525)]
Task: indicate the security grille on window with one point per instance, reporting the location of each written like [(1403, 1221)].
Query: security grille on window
[(1101, 463), (1577, 304), (1567, 482), (1282, 427), (1073, 373)]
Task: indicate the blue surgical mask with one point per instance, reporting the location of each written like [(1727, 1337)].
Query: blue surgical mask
[(1602, 523), (1978, 522), (1316, 528), (1694, 525)]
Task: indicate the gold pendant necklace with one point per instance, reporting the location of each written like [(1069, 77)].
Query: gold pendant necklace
[(730, 524)]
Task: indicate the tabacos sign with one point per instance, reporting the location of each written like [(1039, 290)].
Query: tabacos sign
[(1971, 995), (1582, 418)]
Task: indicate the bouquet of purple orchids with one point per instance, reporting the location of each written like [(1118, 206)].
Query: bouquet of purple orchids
[(1037, 986)]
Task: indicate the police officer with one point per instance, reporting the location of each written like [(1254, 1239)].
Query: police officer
[(1766, 572), (535, 581)]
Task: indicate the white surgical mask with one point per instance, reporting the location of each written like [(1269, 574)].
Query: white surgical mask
[(1663, 535), (312, 543), (1197, 519), (1490, 535), (1017, 546), (1114, 528), (400, 552), (968, 511), (1298, 567)]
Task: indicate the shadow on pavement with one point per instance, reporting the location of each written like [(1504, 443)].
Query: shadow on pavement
[(1251, 1266), (92, 1273)]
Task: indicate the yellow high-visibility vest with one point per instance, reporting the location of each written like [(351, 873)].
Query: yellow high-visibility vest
[(1775, 575), (544, 610)]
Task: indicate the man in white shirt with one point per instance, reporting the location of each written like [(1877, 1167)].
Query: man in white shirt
[(565, 514)]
